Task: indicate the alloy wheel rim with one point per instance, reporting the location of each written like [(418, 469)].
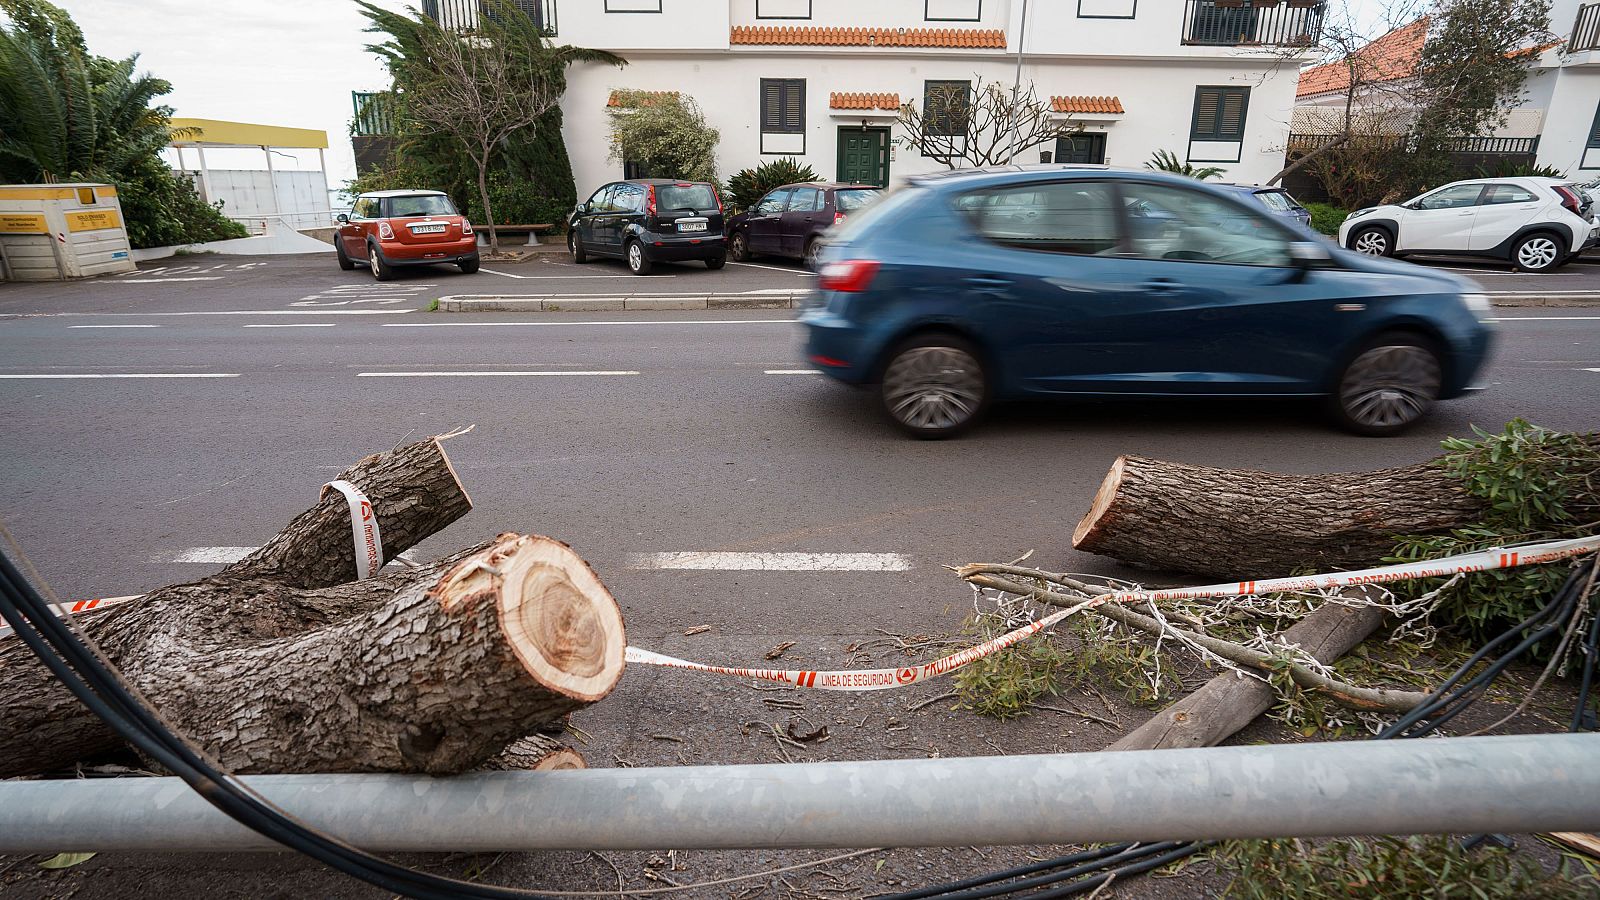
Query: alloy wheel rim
[(1390, 386), (738, 246), (1371, 243), (572, 243), (635, 256), (813, 250), (1537, 253), (372, 260), (933, 387)]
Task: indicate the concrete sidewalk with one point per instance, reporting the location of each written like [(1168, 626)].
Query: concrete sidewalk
[(642, 301)]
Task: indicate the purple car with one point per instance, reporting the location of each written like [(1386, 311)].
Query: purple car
[(789, 220), (1277, 201)]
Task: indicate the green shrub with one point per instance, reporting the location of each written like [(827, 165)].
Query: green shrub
[(749, 185), (665, 135), (1326, 218)]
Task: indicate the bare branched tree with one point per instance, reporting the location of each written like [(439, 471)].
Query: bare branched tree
[(480, 89), (980, 124)]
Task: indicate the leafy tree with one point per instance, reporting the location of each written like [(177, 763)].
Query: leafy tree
[(491, 90), (1167, 161), (664, 134), (68, 114), (984, 124), (749, 185)]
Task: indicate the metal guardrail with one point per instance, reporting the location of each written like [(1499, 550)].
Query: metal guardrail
[(1586, 29), (464, 14), (1488, 145), (1246, 23)]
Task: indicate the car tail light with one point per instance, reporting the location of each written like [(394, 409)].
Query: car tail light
[(717, 194), (385, 233), (850, 276), (1569, 199), (839, 217), (466, 227), (650, 200)]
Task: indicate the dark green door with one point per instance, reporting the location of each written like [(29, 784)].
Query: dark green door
[(864, 155), (1081, 148)]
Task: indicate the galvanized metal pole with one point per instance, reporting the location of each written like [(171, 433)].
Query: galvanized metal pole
[(1016, 85), (1512, 784)]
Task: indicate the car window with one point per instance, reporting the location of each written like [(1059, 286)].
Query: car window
[(1078, 217), (805, 200), (1456, 196), (773, 203), (1174, 223), (697, 197), (598, 199), (853, 198), (420, 205), (628, 198), (363, 207), (1277, 201), (872, 213), (1507, 193)]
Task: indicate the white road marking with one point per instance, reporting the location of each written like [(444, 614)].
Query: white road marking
[(205, 555), (166, 280), (572, 324), (771, 562), (1589, 370), (1545, 319), (774, 269), (113, 326), (275, 325), (792, 372), (230, 312), (129, 375), (565, 277), (469, 374)]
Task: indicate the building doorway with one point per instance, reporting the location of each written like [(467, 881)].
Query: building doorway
[(1081, 148), (864, 155)]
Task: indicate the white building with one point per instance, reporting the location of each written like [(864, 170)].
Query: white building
[(1557, 123), (1212, 81)]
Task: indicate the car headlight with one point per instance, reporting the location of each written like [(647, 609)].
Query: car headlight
[(1359, 213), (1478, 303)]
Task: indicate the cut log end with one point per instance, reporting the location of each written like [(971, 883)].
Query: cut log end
[(1090, 523), (536, 753)]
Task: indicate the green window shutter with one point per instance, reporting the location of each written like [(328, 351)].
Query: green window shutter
[(1207, 101), (783, 105), (1219, 113), (1594, 130)]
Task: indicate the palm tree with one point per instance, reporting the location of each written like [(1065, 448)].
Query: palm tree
[(1167, 161)]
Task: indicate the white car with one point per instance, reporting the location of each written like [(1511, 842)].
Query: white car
[(1537, 224)]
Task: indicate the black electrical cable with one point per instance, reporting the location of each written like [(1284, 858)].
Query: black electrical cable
[(1135, 852), (1088, 884), (1591, 649), (1018, 872)]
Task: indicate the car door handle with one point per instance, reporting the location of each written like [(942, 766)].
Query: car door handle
[(1470, 212), (988, 282), (1161, 286)]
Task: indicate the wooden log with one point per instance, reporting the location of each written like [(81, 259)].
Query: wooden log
[(1237, 523), (536, 753), (1229, 702)]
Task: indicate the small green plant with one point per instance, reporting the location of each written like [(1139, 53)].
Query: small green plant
[(1167, 161), (1326, 218), (1433, 867), (749, 185), (433, 305), (1004, 685), (1505, 168)]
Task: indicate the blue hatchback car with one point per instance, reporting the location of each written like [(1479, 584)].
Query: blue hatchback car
[(967, 287)]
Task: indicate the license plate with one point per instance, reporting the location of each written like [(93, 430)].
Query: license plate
[(428, 229), (691, 226)]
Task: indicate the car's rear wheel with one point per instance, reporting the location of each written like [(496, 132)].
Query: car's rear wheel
[(812, 251), (1388, 385), (468, 266), (934, 386), (1372, 242), (638, 263), (575, 247), (1537, 253), (716, 262), (739, 247), (381, 269), (345, 262)]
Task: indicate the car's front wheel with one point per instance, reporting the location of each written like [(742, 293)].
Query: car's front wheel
[(575, 247), (1372, 242), (638, 263), (1537, 253), (934, 386), (739, 247), (1388, 385), (345, 262)]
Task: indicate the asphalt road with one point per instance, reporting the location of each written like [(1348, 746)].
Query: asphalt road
[(109, 483)]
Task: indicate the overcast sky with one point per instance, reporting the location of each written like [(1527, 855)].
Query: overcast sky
[(281, 62)]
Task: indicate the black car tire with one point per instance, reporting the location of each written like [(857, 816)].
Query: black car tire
[(716, 262), (638, 262), (345, 262), (809, 254), (1373, 241), (934, 386), (1537, 253), (468, 266), (575, 247), (381, 270), (739, 247), (1387, 384)]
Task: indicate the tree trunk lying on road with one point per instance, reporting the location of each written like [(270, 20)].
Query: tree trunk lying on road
[(281, 663), (536, 753)]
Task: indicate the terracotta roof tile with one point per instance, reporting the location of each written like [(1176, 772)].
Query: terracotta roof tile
[(1101, 105), (617, 98), (837, 100), (812, 36), (1389, 58)]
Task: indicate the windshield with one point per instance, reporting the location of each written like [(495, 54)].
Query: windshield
[(685, 196), (854, 198), (872, 212), (420, 205), (1277, 201)]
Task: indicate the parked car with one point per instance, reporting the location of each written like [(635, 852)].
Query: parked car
[(969, 287), (1277, 201), (1538, 224), (388, 230), (644, 221), (790, 220)]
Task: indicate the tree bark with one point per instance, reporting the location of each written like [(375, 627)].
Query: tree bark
[(1229, 702), (536, 753), (1237, 523)]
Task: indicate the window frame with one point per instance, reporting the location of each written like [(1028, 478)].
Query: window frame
[(1272, 223), (809, 12), (628, 12), (1216, 136), (1482, 188), (927, 14), (928, 89), (1489, 191), (1134, 14), (784, 86), (1121, 246)]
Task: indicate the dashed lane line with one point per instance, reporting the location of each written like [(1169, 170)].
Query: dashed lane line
[(54, 376), (474, 374), (273, 325), (564, 277), (792, 372), (577, 324), (771, 562), (113, 326)]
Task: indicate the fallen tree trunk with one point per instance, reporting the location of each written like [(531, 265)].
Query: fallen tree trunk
[(1242, 524), (280, 663), (536, 753), (1229, 702)]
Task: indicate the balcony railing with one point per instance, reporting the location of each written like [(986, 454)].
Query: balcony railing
[(1488, 145), (372, 114), (1586, 30), (1253, 23), (464, 14)]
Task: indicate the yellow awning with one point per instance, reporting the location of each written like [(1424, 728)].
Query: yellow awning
[(217, 133)]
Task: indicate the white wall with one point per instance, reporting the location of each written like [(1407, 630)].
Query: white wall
[(680, 24), (1573, 101), (1158, 97), (876, 13), (301, 197)]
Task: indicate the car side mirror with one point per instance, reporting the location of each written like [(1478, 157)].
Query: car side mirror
[(343, 219), (583, 208), (1308, 254)]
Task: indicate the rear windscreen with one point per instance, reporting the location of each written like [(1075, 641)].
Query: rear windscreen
[(854, 198), (420, 205), (1277, 201), (697, 197)]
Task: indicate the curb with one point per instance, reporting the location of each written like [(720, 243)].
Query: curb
[(658, 302), (1581, 299)]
